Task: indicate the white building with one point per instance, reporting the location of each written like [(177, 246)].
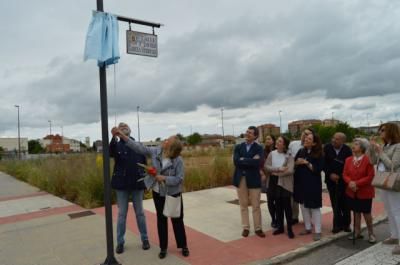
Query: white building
[(74, 145), (11, 144)]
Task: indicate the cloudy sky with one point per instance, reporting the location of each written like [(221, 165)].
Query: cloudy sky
[(307, 58)]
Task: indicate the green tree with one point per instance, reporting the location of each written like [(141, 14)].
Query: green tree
[(194, 139), (158, 139), (34, 147), (347, 130), (180, 137)]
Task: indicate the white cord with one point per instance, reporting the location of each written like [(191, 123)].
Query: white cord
[(115, 97)]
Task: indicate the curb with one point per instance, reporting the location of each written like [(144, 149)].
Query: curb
[(302, 251)]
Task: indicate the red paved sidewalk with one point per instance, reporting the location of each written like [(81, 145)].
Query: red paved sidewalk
[(208, 250)]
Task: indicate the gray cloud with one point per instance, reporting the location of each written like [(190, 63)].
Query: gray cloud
[(337, 106), (363, 106), (343, 49)]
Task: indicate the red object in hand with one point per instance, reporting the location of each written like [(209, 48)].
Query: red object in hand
[(151, 171)]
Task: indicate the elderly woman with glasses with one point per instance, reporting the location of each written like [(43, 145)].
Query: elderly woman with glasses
[(387, 157), (358, 174)]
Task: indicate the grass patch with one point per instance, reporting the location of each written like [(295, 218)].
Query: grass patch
[(79, 178)]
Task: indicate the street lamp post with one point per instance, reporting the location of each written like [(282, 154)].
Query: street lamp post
[(50, 125), (19, 135), (280, 122), (62, 134), (222, 123), (138, 125)]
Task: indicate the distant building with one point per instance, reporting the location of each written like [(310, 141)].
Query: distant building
[(216, 140), (267, 129), (98, 146), (11, 144), (370, 129), (296, 127), (87, 141), (374, 128), (74, 145), (54, 144), (331, 122)]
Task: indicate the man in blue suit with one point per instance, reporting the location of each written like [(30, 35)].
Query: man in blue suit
[(247, 159)]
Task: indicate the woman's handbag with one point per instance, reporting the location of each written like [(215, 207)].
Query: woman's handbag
[(387, 180), (172, 206)]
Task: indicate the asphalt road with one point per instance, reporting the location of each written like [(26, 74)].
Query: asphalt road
[(340, 249)]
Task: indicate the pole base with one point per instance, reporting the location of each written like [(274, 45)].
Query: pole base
[(111, 261)]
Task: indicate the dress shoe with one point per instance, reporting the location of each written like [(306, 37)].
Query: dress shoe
[(317, 236), (185, 252), (162, 254), (335, 230), (245, 233), (390, 241), (290, 233), (305, 232), (278, 231), (347, 229), (145, 245), (260, 233), (273, 224), (371, 239), (119, 249)]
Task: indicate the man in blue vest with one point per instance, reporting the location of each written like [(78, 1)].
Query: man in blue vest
[(247, 160), (126, 180)]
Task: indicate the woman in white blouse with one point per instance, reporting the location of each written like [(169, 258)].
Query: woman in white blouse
[(280, 166)]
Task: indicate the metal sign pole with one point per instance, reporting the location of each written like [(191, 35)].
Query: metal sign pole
[(110, 260)]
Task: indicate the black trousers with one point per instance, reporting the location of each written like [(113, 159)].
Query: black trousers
[(284, 208), (271, 196), (162, 224), (341, 212)]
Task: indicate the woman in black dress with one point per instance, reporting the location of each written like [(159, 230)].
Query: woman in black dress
[(308, 183)]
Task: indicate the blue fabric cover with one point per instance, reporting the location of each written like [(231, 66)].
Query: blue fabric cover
[(102, 39)]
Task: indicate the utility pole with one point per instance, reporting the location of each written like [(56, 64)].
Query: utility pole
[(50, 125), (368, 123), (280, 122), (138, 126), (19, 135), (222, 123)]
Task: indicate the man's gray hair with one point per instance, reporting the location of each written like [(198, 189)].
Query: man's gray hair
[(364, 144), (123, 124)]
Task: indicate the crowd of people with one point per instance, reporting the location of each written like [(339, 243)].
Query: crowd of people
[(290, 173)]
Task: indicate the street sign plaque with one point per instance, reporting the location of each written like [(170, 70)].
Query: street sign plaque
[(140, 43)]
